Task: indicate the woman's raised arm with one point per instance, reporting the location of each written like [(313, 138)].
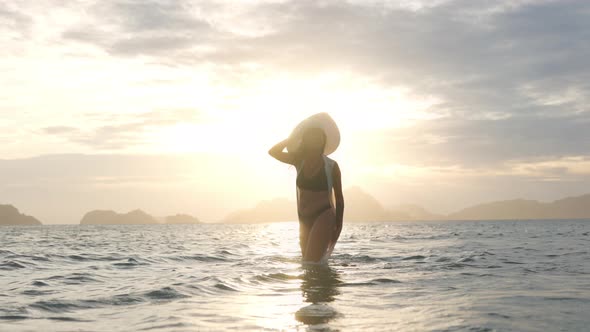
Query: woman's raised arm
[(277, 152)]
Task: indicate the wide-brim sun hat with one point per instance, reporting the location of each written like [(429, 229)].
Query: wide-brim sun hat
[(322, 121)]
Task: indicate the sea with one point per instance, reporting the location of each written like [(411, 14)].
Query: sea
[(420, 276)]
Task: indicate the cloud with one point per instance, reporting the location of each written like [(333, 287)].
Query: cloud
[(562, 169), (14, 21), (486, 142), (123, 131), (511, 77), (142, 27), (513, 80), (473, 58), (480, 57), (57, 130)]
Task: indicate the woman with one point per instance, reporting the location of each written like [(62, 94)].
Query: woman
[(320, 222)]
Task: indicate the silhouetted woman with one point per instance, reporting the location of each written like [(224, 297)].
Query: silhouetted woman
[(320, 220)]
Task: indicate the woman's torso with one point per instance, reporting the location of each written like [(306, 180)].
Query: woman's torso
[(313, 191)]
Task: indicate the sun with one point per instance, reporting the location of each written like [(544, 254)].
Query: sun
[(260, 115), (184, 138)]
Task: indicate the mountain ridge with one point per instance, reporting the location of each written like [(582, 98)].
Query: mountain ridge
[(362, 207)]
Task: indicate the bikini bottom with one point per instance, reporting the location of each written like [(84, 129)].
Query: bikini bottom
[(308, 221)]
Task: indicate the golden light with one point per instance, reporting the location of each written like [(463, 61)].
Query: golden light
[(259, 116), (277, 239)]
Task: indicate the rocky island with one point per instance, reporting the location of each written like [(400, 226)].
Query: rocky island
[(109, 217), (9, 215), (181, 219)]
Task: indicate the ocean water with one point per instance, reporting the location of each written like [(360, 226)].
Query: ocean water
[(429, 276)]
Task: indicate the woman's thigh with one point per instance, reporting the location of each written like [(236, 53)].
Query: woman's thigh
[(303, 237), (320, 236)]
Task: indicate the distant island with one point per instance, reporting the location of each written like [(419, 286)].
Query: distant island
[(181, 219), (135, 217), (109, 217), (9, 215), (278, 209), (362, 207), (567, 208)]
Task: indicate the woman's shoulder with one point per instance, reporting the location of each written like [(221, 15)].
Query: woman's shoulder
[(330, 160)]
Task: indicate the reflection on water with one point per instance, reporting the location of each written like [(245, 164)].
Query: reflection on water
[(431, 276), (320, 283), (319, 287)]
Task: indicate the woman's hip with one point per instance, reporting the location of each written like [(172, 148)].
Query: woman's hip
[(326, 214)]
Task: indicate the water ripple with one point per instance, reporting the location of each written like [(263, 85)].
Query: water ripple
[(472, 276)]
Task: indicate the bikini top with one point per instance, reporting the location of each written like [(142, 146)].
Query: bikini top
[(318, 182), (321, 181)]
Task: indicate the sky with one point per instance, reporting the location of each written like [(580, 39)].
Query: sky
[(171, 106)]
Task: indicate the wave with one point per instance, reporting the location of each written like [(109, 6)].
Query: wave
[(13, 317), (35, 292), (373, 282), (62, 306), (6, 252), (90, 257), (80, 278), (166, 293), (276, 277), (415, 257), (12, 255), (385, 281), (225, 287), (348, 258), (162, 327), (75, 278), (67, 306), (68, 319), (12, 265), (198, 258), (129, 263)]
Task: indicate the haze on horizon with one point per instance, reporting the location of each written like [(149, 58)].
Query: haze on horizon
[(171, 106)]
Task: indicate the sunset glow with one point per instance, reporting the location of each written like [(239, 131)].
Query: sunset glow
[(423, 94)]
